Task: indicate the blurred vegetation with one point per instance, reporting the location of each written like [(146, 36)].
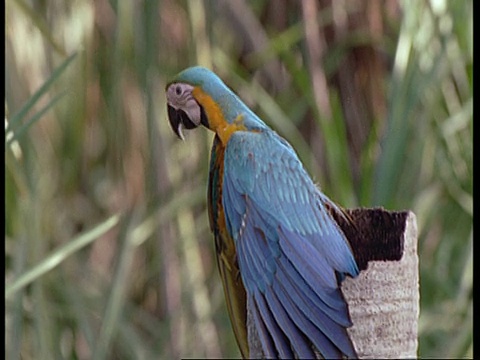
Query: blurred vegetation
[(107, 246)]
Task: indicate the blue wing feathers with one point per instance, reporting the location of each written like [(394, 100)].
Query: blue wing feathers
[(290, 251), (296, 286), (312, 320), (283, 317), (257, 258), (279, 338), (236, 205), (249, 280), (316, 336), (265, 337), (313, 267)]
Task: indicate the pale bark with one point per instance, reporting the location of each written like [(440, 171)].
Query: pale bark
[(384, 304)]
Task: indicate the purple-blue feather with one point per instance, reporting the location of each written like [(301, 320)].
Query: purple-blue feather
[(268, 346), (307, 298), (278, 334), (287, 318)]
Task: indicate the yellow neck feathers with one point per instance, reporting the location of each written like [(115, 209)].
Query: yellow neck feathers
[(216, 118)]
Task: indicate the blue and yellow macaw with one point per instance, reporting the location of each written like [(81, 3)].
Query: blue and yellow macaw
[(277, 243)]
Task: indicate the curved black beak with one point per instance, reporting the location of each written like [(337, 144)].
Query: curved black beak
[(179, 119)]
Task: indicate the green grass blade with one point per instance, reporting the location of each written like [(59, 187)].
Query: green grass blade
[(40, 92), (59, 255), (18, 132)]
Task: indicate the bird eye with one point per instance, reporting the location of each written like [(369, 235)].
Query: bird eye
[(178, 90)]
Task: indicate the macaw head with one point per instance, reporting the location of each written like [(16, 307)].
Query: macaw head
[(184, 111), (197, 96)]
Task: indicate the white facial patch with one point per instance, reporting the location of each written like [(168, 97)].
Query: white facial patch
[(179, 96)]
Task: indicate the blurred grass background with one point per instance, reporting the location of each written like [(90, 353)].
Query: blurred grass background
[(107, 246)]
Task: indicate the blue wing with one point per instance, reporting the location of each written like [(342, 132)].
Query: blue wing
[(291, 253)]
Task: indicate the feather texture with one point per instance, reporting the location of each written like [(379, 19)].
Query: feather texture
[(289, 249)]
